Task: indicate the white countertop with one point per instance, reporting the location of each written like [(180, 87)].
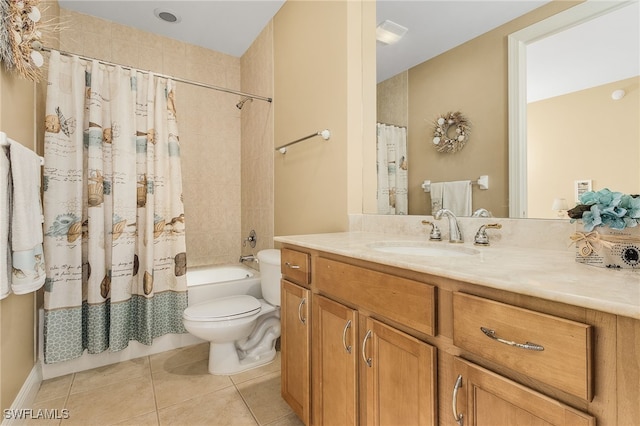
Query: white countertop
[(548, 274)]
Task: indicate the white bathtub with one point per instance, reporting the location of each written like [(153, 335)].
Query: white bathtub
[(207, 282), (203, 282)]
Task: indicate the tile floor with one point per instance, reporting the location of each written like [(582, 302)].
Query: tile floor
[(171, 388)]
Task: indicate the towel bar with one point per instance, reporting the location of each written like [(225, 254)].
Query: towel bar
[(482, 182), (326, 134)]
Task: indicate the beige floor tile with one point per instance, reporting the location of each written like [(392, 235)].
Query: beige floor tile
[(58, 387), (185, 382), (112, 403), (262, 395), (149, 419), (169, 360), (290, 420), (109, 374), (272, 367), (221, 408)]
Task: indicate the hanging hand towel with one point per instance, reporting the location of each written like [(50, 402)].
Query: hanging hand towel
[(26, 221), (5, 202), (437, 190), (456, 197)]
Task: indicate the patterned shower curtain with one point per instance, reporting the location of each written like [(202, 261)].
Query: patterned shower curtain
[(392, 196), (114, 218)]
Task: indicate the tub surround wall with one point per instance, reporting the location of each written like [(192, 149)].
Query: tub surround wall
[(256, 70), (209, 124)]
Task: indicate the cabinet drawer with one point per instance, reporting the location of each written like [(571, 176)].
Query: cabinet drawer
[(407, 302), (295, 266), (550, 349)]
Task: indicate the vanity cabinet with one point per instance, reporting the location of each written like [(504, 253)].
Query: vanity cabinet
[(393, 346), (365, 371), (395, 372), (484, 398), (295, 299)]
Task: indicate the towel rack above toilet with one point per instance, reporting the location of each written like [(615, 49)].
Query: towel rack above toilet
[(326, 134), (482, 182)]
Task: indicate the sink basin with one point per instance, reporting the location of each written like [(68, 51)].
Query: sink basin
[(424, 249)]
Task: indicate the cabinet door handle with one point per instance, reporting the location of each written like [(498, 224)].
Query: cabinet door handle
[(302, 302), (364, 348), (527, 345), (344, 337), (289, 265), (457, 417)]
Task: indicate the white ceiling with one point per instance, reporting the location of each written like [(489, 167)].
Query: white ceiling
[(230, 26), (596, 52)]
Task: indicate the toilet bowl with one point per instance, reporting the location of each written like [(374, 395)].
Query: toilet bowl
[(242, 329)]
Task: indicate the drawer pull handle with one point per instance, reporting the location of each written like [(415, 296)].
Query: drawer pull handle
[(302, 302), (457, 417), (289, 265), (344, 337), (364, 348), (528, 345)]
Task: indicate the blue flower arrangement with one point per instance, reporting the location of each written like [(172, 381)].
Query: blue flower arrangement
[(607, 208)]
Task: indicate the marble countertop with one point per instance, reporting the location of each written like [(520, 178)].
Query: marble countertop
[(548, 274)]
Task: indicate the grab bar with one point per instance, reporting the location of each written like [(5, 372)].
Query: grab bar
[(326, 134)]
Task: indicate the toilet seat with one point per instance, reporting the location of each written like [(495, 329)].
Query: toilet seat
[(223, 309)]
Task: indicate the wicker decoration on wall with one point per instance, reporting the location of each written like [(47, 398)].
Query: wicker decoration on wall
[(20, 38), (451, 132)]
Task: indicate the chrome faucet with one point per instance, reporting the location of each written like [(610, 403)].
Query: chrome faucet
[(482, 213), (248, 258), (455, 236)]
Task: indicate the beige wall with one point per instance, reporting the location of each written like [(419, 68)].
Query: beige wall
[(318, 59), (472, 79), (257, 143), (208, 120), (604, 131), (17, 120)]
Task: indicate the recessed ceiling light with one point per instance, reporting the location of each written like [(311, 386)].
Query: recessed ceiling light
[(167, 15), (388, 32)]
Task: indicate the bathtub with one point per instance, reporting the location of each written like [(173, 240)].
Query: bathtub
[(208, 282), (203, 282)]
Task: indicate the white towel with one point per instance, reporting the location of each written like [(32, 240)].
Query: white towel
[(456, 197), (437, 189), (5, 202), (26, 220)]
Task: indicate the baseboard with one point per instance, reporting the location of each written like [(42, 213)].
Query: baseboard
[(25, 398)]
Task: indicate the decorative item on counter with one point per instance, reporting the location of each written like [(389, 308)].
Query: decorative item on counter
[(443, 125), (20, 38), (611, 235)]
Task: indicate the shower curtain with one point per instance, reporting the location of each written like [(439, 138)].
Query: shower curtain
[(392, 196), (114, 224)]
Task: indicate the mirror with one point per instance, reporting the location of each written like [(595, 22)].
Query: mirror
[(472, 78)]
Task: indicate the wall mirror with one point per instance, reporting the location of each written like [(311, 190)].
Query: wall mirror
[(476, 78)]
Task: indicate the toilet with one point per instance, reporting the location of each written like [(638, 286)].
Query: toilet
[(242, 329)]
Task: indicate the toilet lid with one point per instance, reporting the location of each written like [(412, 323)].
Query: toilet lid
[(223, 308)]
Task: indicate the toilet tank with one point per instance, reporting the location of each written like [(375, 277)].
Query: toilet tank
[(269, 261)]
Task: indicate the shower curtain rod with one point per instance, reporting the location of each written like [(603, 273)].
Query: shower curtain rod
[(181, 80)]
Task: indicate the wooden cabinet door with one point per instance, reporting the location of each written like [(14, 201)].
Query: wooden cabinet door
[(484, 398), (335, 357), (399, 374), (295, 341)]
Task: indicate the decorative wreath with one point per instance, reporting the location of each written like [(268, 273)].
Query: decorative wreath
[(20, 38), (445, 142)]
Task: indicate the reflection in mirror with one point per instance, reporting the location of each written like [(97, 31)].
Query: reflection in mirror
[(580, 92), (471, 78)]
